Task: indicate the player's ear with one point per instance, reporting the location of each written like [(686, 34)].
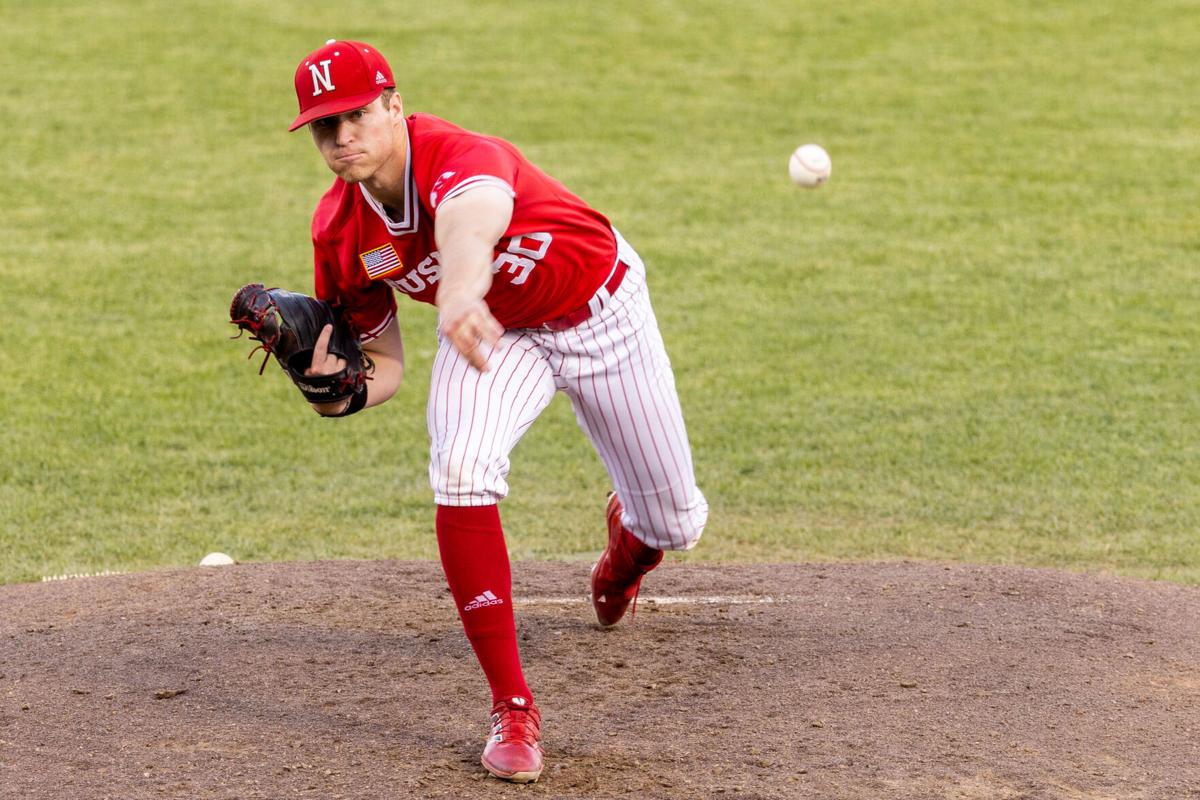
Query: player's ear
[(396, 105)]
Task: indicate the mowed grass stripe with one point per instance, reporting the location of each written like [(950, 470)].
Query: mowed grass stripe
[(976, 343)]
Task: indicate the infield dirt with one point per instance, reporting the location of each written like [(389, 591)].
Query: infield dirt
[(353, 680)]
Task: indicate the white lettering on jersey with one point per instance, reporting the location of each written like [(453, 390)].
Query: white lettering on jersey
[(424, 275), (321, 77), (431, 268), (524, 252)]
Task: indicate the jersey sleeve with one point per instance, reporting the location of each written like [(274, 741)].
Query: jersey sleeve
[(470, 162), (369, 307)]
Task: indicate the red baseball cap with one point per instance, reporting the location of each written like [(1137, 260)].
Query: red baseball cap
[(339, 77)]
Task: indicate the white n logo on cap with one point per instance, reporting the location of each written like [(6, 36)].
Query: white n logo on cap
[(321, 77)]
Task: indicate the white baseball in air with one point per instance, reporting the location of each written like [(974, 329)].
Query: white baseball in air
[(216, 560), (810, 166)]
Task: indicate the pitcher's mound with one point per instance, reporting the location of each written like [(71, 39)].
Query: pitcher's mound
[(353, 680)]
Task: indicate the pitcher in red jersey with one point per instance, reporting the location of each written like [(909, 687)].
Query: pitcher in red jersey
[(536, 293)]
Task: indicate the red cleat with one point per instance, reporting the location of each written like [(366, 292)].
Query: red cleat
[(514, 753), (617, 576)]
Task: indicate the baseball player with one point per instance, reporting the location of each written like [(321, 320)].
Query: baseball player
[(536, 293)]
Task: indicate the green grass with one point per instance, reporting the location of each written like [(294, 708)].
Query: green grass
[(978, 342)]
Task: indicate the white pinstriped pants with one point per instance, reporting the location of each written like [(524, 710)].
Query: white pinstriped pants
[(615, 369)]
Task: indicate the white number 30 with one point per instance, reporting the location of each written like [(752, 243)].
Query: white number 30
[(521, 259)]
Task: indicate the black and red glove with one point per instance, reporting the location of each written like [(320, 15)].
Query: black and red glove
[(286, 325)]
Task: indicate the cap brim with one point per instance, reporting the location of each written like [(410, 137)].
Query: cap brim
[(337, 106)]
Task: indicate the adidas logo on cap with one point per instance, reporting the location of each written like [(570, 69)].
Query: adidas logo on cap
[(480, 601), (379, 77)]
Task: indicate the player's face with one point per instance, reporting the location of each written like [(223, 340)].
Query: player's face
[(357, 143)]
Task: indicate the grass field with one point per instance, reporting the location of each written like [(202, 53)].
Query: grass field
[(978, 342)]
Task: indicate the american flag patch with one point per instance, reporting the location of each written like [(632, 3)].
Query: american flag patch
[(380, 261)]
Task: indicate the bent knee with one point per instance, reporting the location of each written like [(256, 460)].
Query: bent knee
[(467, 481)]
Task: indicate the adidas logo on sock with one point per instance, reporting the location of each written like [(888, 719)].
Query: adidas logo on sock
[(485, 599)]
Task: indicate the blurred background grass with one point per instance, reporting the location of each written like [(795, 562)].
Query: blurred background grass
[(978, 342)]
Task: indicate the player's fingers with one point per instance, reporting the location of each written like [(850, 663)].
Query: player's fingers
[(491, 329), (321, 348), (482, 325), (469, 341), (473, 331), (477, 361), (321, 356), (476, 353)]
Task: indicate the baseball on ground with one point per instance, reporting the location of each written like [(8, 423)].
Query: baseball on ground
[(216, 560), (810, 166)]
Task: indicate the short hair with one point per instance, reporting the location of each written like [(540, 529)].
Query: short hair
[(385, 96)]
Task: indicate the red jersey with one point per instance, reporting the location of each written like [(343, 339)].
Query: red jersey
[(554, 255)]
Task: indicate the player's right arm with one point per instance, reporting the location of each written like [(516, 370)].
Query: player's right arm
[(467, 228), (386, 350)]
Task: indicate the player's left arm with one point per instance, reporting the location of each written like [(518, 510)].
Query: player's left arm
[(467, 227)]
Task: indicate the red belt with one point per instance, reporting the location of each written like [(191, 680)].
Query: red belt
[(584, 312)]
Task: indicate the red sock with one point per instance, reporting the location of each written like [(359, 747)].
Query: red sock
[(475, 560)]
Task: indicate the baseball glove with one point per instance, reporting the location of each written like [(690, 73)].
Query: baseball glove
[(286, 325)]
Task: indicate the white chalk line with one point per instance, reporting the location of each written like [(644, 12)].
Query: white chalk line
[(703, 600), (70, 576), (666, 600)]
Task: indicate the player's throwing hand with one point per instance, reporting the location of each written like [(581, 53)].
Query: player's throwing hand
[(472, 330)]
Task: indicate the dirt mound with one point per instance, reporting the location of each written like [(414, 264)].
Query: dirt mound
[(353, 680)]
